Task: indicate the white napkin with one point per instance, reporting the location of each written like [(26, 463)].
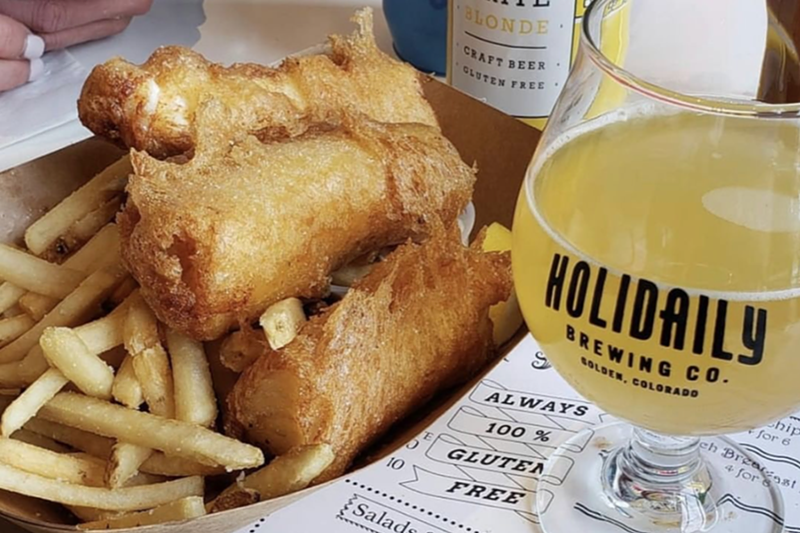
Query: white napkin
[(43, 104)]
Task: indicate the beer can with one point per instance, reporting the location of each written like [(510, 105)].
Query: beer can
[(516, 54)]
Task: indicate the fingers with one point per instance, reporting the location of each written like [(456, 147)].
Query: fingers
[(87, 32), (61, 23), (17, 46), (52, 16), (17, 72), (17, 42)]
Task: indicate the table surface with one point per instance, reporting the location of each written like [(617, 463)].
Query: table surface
[(261, 31)]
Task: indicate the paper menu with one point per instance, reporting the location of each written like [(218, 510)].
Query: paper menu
[(477, 468)]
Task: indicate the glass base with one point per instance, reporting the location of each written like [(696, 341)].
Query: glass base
[(587, 487)]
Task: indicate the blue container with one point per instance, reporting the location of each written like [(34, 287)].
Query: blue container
[(419, 31)]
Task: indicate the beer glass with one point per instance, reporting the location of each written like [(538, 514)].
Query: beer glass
[(656, 256)]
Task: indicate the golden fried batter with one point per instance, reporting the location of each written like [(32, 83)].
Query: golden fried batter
[(153, 107), (416, 325), (218, 239)]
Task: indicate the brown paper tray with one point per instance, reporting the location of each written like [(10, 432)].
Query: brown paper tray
[(500, 146)]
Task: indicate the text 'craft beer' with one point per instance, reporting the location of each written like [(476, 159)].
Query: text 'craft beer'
[(657, 262)]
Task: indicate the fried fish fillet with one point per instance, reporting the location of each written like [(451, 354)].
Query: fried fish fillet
[(416, 325), (152, 107), (216, 240)]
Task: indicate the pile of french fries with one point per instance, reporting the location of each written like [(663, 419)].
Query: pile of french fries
[(104, 409)]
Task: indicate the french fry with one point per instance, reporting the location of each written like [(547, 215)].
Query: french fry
[(239, 350), (194, 393), (89, 514), (152, 371), (136, 480), (173, 437), (282, 321), (288, 473), (11, 376), (89, 457), (124, 499), (94, 445), (122, 292), (126, 389), (11, 312), (9, 295), (100, 336), (83, 230), (41, 441), (140, 332), (124, 463), (36, 306), (99, 252), (31, 401), (65, 350), (182, 509), (105, 333), (12, 328), (165, 465), (33, 274), (233, 499), (49, 464), (77, 307), (32, 366), (146, 479), (349, 274), (106, 185), (150, 361), (158, 464)]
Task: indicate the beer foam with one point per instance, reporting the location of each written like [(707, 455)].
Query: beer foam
[(717, 202)]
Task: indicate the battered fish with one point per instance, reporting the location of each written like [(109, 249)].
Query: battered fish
[(216, 240), (153, 107), (416, 325)]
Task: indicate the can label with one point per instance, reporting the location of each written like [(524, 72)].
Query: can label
[(513, 54)]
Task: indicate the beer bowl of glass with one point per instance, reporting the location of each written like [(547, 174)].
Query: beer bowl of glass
[(656, 258)]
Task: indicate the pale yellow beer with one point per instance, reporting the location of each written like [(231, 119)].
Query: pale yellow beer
[(657, 262)]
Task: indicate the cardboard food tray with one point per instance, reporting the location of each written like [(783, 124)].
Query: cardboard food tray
[(500, 146)]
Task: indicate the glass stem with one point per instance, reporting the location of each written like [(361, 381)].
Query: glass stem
[(662, 477), (662, 459)]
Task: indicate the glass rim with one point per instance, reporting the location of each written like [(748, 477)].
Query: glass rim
[(707, 104)]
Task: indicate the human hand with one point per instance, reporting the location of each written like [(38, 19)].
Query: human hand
[(28, 28)]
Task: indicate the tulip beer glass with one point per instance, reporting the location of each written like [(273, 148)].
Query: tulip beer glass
[(656, 257)]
